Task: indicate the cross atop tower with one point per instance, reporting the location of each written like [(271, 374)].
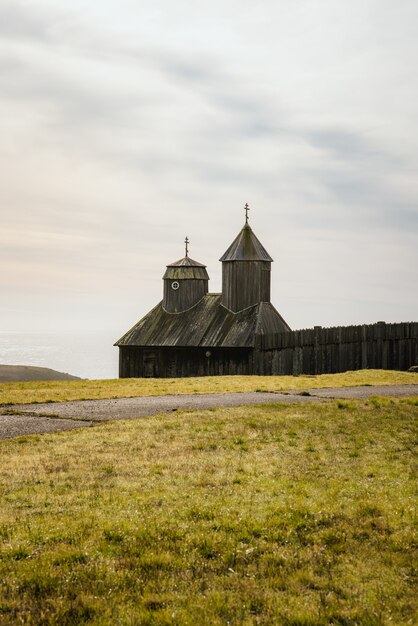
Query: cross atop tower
[(247, 208), (186, 241)]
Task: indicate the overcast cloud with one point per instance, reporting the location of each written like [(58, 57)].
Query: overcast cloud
[(126, 126)]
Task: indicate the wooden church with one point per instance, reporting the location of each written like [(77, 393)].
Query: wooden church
[(195, 333)]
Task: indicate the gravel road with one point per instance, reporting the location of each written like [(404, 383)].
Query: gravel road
[(27, 419)]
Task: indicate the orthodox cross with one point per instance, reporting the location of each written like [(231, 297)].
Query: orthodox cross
[(186, 241), (247, 208)]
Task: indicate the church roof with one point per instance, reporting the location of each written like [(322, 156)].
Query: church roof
[(186, 268), (186, 262), (208, 324), (246, 247)]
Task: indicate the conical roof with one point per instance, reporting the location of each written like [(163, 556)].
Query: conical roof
[(186, 262), (186, 268), (246, 247)]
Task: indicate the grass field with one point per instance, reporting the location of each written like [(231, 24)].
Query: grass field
[(60, 391), (292, 514)]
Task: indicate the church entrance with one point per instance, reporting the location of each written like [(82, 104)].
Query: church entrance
[(150, 364)]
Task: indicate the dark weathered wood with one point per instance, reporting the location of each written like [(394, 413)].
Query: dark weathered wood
[(246, 269), (208, 324), (245, 283), (194, 333), (185, 284), (310, 351), (246, 247), (182, 362), (330, 350), (188, 294)]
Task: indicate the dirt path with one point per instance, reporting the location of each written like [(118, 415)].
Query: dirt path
[(27, 419)]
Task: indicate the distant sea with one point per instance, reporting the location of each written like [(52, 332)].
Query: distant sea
[(85, 354)]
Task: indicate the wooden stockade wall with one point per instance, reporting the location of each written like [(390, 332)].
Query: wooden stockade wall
[(328, 350)]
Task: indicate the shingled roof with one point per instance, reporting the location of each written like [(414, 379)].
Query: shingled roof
[(186, 268), (208, 324), (246, 247), (186, 262)]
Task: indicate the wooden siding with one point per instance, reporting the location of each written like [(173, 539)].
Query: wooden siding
[(245, 283), (181, 362), (311, 351), (189, 293), (338, 349)]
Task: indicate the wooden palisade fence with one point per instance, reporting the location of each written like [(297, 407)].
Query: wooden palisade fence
[(328, 350)]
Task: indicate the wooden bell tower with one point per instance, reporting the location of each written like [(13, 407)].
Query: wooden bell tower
[(246, 271)]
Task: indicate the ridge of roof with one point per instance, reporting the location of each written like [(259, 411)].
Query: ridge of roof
[(246, 247)]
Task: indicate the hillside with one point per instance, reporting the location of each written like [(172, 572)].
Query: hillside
[(23, 373)]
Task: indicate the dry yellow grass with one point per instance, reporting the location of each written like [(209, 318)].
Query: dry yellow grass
[(62, 391), (296, 515)]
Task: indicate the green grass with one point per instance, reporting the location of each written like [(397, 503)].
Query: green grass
[(59, 391), (289, 514)]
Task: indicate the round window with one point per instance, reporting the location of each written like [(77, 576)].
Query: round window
[(175, 285)]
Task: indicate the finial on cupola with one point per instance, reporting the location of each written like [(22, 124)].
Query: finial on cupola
[(186, 241), (247, 208)]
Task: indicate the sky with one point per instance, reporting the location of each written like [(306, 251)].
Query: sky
[(126, 125)]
